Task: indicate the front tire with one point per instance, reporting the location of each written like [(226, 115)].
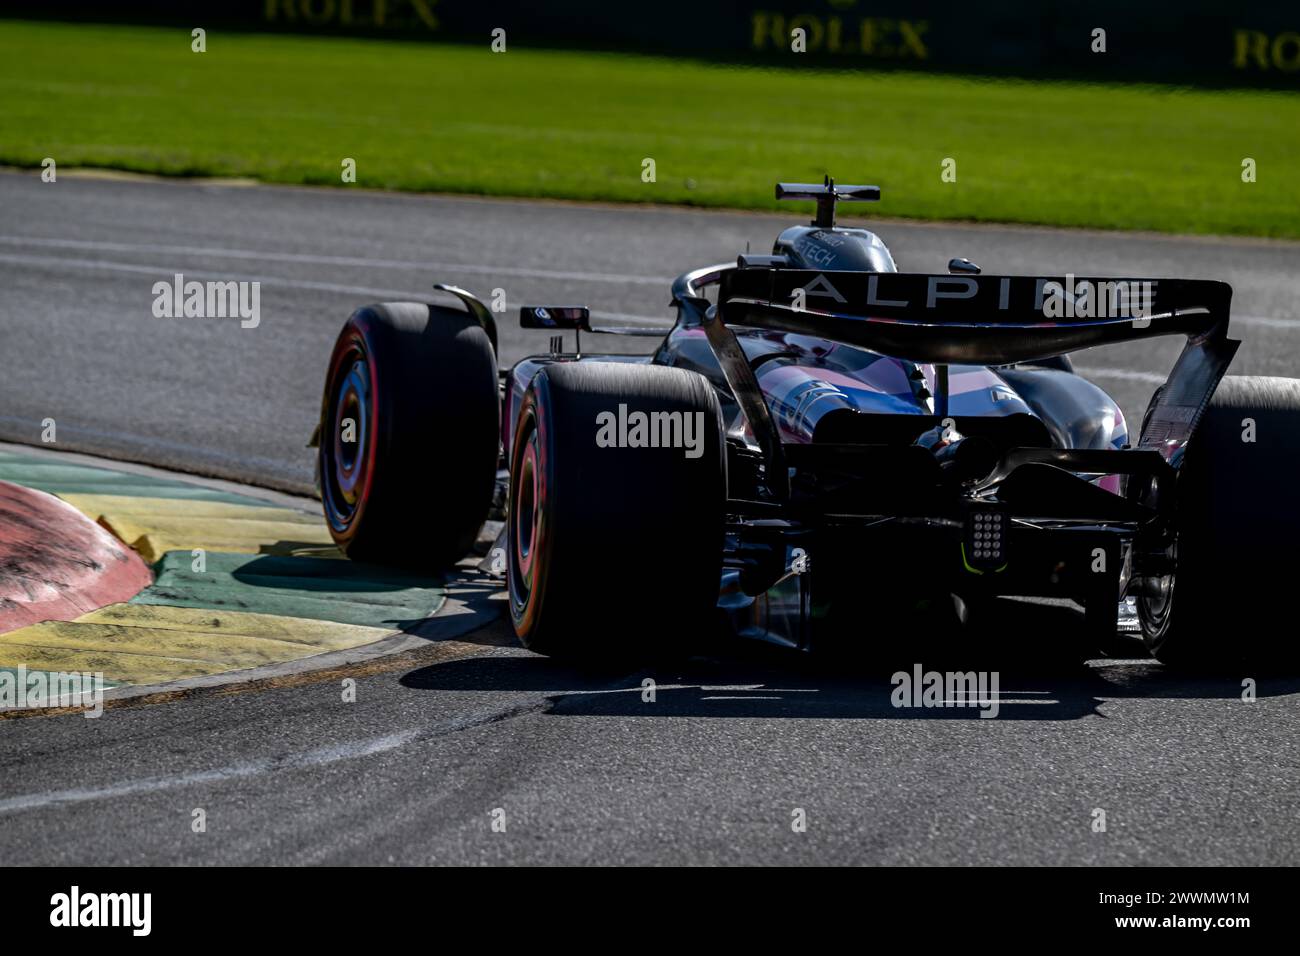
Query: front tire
[(1238, 528), (614, 552), (414, 388)]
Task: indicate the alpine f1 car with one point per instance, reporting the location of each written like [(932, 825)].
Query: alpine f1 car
[(816, 436)]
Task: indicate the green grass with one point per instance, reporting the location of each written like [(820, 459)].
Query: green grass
[(577, 125)]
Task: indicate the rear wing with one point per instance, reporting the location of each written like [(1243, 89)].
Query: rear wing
[(977, 320)]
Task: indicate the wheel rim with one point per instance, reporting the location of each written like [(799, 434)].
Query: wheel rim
[(1153, 609), (347, 468), (527, 520), (525, 512), (526, 527)]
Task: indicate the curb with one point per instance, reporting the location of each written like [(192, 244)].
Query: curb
[(243, 587), (57, 564)]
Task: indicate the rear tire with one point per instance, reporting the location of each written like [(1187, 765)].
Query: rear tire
[(614, 552), (419, 384), (1238, 527)]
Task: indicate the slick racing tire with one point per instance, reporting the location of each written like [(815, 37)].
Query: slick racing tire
[(614, 551), (1228, 599), (414, 387)]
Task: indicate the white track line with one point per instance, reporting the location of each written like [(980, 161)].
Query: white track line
[(164, 273), (28, 242), (303, 760), (1126, 374), (1267, 322), (253, 768)]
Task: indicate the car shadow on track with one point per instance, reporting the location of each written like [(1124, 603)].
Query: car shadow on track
[(1035, 654)]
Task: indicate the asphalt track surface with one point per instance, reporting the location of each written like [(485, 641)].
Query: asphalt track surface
[(582, 766)]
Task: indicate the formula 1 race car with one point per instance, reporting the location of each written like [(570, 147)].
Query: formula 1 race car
[(823, 437)]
